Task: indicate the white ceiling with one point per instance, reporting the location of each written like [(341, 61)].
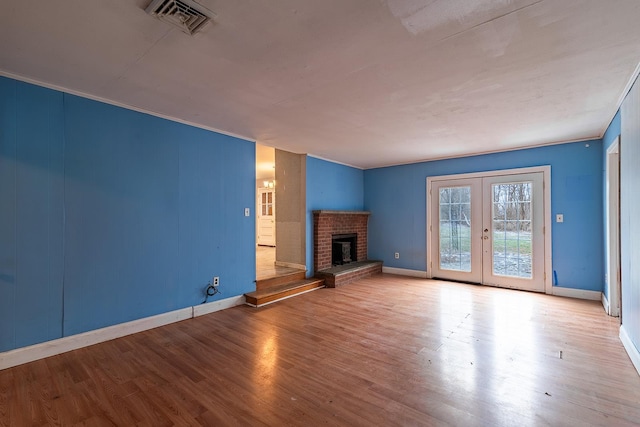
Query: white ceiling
[(363, 82)]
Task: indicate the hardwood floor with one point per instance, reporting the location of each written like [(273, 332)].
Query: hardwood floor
[(385, 350)]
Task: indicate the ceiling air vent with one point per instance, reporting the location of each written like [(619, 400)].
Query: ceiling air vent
[(187, 15)]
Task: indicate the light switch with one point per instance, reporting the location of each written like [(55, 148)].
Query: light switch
[(247, 211), (559, 218)]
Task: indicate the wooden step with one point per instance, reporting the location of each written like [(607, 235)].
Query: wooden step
[(282, 291), (282, 279)]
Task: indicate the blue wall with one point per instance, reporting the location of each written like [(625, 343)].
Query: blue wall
[(396, 197), (330, 186), (31, 214), (110, 215)]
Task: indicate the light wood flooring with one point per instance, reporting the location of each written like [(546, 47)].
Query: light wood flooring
[(383, 351), (265, 263)]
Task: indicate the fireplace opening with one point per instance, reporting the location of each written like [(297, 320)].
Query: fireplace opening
[(344, 249)]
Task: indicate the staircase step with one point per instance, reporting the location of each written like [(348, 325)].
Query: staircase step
[(280, 280), (282, 291)]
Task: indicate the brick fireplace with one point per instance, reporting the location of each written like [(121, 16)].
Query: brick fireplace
[(326, 224), (329, 226)]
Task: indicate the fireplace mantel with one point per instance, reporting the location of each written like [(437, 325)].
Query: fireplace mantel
[(329, 212)]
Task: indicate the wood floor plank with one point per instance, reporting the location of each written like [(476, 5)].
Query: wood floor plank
[(385, 350)]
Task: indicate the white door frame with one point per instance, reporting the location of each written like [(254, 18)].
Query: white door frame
[(612, 194), (546, 190)]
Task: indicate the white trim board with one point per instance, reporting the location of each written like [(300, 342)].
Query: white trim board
[(605, 303), (213, 306), (576, 293), (405, 272), (497, 172), (334, 161), (34, 352), (612, 228), (623, 95), (485, 153), (631, 349), (557, 291)]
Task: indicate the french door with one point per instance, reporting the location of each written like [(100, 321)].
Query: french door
[(489, 230)]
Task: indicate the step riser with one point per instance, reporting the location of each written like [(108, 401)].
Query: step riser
[(282, 295), (280, 280)]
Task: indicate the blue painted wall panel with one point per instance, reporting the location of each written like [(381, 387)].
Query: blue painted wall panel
[(31, 276), (396, 196), (8, 154), (121, 215), (330, 186), (39, 214), (209, 199), (113, 215)]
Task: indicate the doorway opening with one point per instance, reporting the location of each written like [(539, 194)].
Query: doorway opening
[(612, 278), (490, 228), (274, 241), (265, 210)]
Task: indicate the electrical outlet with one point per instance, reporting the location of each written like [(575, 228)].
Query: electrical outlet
[(216, 281), (397, 255)]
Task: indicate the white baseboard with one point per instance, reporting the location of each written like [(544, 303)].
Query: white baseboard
[(291, 265), (632, 351), (405, 272), (34, 352), (605, 304), (211, 307), (577, 293)]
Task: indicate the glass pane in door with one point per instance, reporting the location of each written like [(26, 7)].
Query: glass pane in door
[(455, 226), (511, 226)]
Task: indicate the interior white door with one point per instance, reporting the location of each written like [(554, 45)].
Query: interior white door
[(489, 230), (266, 217)]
